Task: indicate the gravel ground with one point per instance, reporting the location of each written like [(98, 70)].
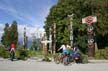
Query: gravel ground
[(33, 65)]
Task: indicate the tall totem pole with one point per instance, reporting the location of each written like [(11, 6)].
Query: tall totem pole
[(25, 39), (89, 20)]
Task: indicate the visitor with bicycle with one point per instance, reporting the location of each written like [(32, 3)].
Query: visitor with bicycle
[(65, 48), (65, 53)]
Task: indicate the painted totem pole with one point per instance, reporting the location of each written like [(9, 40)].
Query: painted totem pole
[(89, 20)]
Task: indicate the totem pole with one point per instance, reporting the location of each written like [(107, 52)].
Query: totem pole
[(89, 20)]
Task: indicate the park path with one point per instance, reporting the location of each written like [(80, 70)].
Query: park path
[(33, 65)]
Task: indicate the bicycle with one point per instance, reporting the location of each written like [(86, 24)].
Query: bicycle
[(58, 58), (62, 58)]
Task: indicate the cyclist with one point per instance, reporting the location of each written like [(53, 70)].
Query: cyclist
[(65, 52), (65, 48)]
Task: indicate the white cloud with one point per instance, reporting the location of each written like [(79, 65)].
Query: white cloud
[(30, 31), (36, 20), (1, 30), (38, 17), (18, 14)]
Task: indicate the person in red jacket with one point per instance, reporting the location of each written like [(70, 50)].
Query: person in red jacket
[(12, 51), (12, 47)]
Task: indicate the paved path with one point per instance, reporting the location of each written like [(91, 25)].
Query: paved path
[(33, 65)]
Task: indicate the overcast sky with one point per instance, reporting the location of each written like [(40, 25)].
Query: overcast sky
[(31, 13)]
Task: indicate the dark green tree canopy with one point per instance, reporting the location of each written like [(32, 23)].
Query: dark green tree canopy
[(10, 34), (80, 8)]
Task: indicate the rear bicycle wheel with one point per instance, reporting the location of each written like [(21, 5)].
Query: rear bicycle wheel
[(66, 60), (57, 59)]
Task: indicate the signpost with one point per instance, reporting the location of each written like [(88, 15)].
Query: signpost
[(89, 20)]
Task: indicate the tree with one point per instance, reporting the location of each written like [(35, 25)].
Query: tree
[(34, 45), (80, 8), (6, 37), (14, 32), (10, 34)]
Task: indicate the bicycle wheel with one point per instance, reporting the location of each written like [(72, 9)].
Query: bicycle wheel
[(66, 60), (57, 60)]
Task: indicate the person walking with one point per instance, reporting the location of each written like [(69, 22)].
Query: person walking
[(12, 51)]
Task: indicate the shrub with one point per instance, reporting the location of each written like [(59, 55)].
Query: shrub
[(4, 53), (22, 54), (84, 59), (101, 54), (47, 59)]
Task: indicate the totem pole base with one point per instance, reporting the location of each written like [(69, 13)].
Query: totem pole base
[(91, 52)]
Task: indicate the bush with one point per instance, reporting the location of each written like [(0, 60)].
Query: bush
[(4, 53), (47, 59), (84, 59), (101, 54), (22, 54)]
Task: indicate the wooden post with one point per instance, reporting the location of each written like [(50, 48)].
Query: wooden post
[(50, 38), (71, 29), (45, 50), (54, 44), (25, 38), (45, 42)]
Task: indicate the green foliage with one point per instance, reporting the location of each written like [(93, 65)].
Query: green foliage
[(4, 53), (25, 54), (22, 54), (84, 58), (19, 53), (57, 57), (14, 32), (80, 8), (47, 59), (10, 34), (102, 54), (34, 45), (80, 42), (35, 53), (5, 36)]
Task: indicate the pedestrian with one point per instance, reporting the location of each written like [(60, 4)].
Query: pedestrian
[(12, 47), (12, 51)]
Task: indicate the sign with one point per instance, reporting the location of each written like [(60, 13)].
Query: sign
[(46, 41), (89, 20)]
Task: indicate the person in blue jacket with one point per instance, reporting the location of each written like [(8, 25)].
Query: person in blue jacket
[(76, 55)]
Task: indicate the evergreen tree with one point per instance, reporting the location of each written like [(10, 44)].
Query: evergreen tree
[(80, 8), (14, 32), (10, 34), (34, 45), (6, 37)]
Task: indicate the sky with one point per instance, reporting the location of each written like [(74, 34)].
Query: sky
[(29, 13)]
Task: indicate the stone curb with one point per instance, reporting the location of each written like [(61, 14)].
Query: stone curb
[(98, 61)]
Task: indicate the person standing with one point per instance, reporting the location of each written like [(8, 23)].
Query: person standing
[(12, 47), (12, 51)]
